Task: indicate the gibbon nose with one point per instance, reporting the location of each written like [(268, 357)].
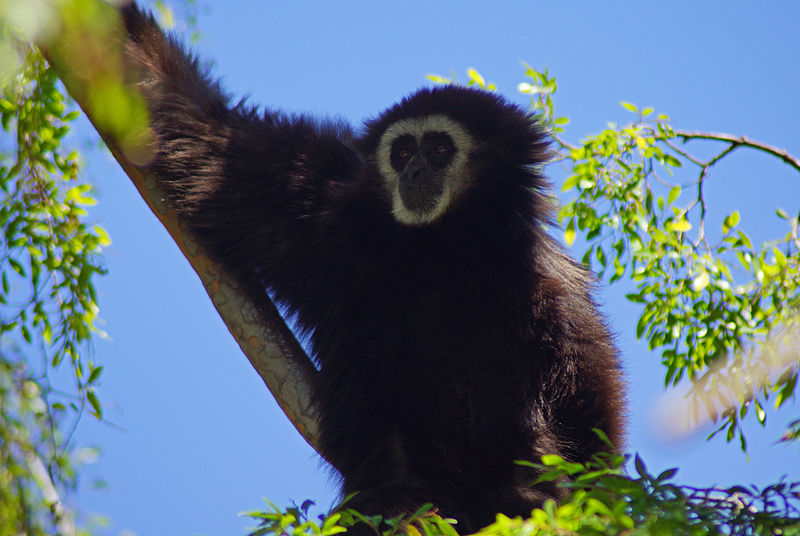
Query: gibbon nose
[(414, 170)]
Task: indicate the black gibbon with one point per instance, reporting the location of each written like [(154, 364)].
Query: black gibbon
[(453, 334)]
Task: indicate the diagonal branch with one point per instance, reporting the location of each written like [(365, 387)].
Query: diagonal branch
[(261, 332)]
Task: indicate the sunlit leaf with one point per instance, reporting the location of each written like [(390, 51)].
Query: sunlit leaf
[(700, 282), (569, 232), (680, 226)]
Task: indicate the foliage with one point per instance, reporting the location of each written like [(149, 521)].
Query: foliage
[(50, 255), (603, 501), (721, 311), (295, 520), (49, 258), (606, 501)]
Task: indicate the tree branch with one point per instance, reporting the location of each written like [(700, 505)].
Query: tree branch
[(261, 332), (741, 141), (63, 517)]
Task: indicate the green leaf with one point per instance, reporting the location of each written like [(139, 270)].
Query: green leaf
[(92, 398), (641, 468), (672, 161), (102, 234), (570, 183), (47, 334), (630, 107), (619, 270), (668, 474), (75, 195), (780, 259), (95, 374), (438, 79), (730, 221), (26, 334), (674, 193), (569, 232), (601, 256), (641, 325), (786, 391), (680, 226), (744, 259), (761, 415), (745, 240), (552, 459), (16, 266), (475, 76)]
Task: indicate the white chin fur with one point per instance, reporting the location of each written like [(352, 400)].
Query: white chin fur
[(409, 217)]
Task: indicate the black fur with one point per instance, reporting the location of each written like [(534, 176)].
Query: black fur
[(447, 350)]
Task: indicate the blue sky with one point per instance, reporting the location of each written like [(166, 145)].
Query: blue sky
[(196, 437)]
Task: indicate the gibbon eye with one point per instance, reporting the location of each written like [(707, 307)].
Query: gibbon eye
[(403, 153), (440, 149)]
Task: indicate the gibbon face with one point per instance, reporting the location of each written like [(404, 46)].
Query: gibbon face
[(425, 163)]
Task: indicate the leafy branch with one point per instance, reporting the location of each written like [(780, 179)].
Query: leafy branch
[(49, 258), (732, 335), (604, 500)]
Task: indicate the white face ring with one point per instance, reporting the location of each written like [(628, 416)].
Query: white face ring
[(455, 176)]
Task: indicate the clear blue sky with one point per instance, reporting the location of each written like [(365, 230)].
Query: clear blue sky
[(197, 437)]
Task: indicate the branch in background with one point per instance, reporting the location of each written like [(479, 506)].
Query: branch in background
[(87, 55), (63, 517), (741, 141)]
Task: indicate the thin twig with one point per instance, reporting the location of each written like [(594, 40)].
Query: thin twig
[(564, 143), (683, 153), (701, 234), (721, 155), (741, 141)]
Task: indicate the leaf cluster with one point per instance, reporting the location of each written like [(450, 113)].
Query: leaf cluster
[(49, 255), (603, 500), (296, 521), (722, 312), (49, 258)]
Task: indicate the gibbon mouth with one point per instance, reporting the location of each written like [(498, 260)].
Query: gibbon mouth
[(420, 194)]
